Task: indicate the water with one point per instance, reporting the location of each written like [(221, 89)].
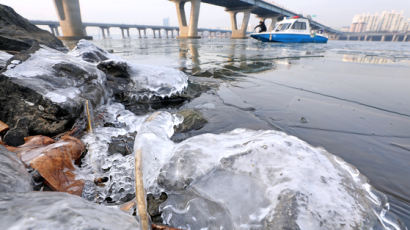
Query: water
[(352, 98)]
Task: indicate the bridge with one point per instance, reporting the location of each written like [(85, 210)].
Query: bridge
[(375, 36), (125, 29), (69, 14)]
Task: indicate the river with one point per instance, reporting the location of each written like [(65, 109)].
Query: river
[(352, 98)]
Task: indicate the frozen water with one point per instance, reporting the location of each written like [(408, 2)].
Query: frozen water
[(100, 163), (119, 169), (54, 210), (157, 81), (4, 57), (255, 180), (59, 77), (147, 80)]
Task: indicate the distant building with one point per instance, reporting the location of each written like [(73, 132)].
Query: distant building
[(165, 22), (385, 22)]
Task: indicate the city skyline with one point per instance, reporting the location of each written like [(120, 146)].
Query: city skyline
[(334, 14), (386, 21)]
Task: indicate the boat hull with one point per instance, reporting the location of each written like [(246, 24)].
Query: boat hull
[(289, 38)]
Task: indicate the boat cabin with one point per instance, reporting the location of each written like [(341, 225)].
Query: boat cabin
[(293, 25)]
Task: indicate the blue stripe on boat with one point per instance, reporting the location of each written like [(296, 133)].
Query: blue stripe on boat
[(289, 38)]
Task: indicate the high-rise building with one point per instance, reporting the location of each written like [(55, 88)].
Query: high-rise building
[(385, 22), (165, 21)]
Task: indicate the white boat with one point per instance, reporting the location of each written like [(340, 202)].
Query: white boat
[(293, 30)]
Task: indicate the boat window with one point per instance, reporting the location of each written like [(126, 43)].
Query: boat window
[(299, 26), (282, 27)]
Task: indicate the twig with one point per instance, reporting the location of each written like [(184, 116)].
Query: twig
[(140, 192)]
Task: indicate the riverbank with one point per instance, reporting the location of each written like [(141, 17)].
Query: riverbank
[(213, 136)]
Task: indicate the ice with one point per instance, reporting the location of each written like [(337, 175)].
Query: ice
[(247, 179), (147, 80), (91, 53), (99, 163), (4, 57), (153, 81), (57, 76)]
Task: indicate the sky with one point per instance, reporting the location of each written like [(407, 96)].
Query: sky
[(152, 12)]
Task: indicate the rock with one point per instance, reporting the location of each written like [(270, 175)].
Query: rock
[(54, 161), (53, 210), (15, 137), (48, 88), (123, 144), (141, 85), (193, 120), (153, 204), (18, 34), (13, 175), (280, 182), (90, 52)]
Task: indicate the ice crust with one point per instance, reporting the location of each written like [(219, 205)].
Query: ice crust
[(247, 179), (4, 57), (99, 163), (148, 81), (41, 72)]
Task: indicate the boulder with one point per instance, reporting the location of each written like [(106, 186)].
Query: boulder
[(193, 120), (54, 161), (13, 175), (142, 87), (48, 88), (247, 179), (18, 34), (54, 210)]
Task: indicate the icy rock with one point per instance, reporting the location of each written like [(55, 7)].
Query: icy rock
[(4, 57), (132, 82), (90, 52), (49, 88), (13, 174), (248, 179), (53, 210)]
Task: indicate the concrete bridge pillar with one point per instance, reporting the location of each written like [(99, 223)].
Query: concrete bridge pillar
[(122, 33), (405, 37), (54, 30), (239, 33), (383, 38), (108, 32), (128, 33), (188, 30), (139, 33), (102, 31), (71, 24), (394, 38)]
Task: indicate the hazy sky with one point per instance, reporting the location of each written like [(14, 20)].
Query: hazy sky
[(151, 12)]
